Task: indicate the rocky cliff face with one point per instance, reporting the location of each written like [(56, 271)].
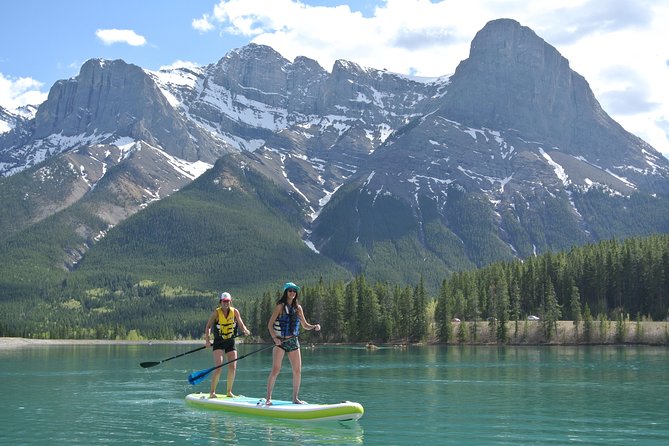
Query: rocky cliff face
[(107, 101), (510, 156), (523, 137), (515, 81)]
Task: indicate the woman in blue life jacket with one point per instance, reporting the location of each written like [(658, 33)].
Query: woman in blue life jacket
[(225, 321), (284, 327)]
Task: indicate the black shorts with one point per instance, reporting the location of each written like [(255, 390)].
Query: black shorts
[(224, 344)]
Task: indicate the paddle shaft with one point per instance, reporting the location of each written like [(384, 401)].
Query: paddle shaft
[(197, 377), (154, 363)]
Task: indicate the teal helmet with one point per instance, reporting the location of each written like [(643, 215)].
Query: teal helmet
[(289, 285)]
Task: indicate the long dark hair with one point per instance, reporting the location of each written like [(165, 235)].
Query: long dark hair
[(284, 298)]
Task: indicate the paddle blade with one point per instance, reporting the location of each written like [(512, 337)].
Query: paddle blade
[(148, 364), (198, 377)]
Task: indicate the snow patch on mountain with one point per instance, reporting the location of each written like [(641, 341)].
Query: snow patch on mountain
[(9, 118), (171, 81), (241, 108), (557, 168), (327, 195), (53, 144), (126, 145), (190, 170), (623, 179), (285, 175), (339, 123)]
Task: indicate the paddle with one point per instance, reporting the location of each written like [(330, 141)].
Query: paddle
[(198, 377), (154, 363)]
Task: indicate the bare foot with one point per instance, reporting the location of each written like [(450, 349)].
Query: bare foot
[(268, 403), (299, 401), (231, 395), (212, 395)]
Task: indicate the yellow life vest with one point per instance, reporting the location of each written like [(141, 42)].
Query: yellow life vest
[(226, 325)]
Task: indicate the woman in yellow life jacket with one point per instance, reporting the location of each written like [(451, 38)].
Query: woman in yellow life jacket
[(223, 324)]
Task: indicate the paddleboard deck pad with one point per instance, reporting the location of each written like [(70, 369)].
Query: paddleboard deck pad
[(343, 411)]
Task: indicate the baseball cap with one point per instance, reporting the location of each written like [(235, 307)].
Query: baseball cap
[(226, 297)]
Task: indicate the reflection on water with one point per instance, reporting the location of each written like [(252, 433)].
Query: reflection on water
[(462, 395), (243, 429)]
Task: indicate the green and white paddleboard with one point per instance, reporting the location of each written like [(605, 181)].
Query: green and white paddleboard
[(343, 411)]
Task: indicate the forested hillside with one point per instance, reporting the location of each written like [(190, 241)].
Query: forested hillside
[(618, 281)]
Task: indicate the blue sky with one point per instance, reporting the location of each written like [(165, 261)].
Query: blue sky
[(618, 46)]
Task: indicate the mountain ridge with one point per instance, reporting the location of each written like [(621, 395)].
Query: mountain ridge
[(509, 157)]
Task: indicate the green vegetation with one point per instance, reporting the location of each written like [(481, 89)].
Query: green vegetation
[(387, 271), (616, 279)]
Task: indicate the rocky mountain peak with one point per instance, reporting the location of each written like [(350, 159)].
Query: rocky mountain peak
[(515, 81), (255, 71), (106, 96), (307, 64), (511, 156)]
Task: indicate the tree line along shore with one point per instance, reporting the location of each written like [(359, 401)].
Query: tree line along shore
[(483, 333), (608, 292)]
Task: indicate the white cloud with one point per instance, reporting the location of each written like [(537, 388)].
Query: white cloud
[(17, 92), (180, 64), (127, 36), (429, 38), (203, 24)]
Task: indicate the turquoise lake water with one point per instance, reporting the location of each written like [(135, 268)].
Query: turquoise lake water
[(432, 395)]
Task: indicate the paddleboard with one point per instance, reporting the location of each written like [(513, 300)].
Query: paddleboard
[(343, 411)]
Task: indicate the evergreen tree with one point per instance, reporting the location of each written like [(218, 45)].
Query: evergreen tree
[(621, 328), (502, 309), (552, 313), (333, 324), (368, 310), (404, 305), (575, 307), (444, 314), (515, 307), (385, 325), (419, 314), (350, 322), (267, 304), (462, 332), (587, 323)]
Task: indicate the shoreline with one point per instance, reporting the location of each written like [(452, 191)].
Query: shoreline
[(652, 334), (8, 342)]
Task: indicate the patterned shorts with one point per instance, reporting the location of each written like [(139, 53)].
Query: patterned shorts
[(290, 345)]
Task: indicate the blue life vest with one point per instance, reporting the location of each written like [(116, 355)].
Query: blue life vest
[(287, 324)]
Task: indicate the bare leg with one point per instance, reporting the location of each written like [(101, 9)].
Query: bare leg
[(277, 358), (295, 358), (232, 369), (218, 360)]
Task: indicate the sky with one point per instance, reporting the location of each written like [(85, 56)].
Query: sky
[(617, 45)]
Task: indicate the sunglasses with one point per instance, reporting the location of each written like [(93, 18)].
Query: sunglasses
[(291, 290)]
